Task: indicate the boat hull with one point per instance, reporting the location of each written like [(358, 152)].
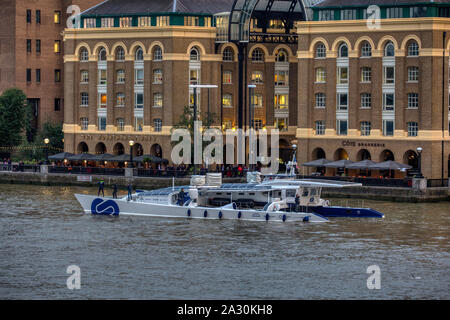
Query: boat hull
[(343, 212), (107, 206)]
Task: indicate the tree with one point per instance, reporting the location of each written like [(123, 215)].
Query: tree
[(14, 117), (54, 132)]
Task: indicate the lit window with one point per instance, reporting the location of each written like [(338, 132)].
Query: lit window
[(144, 21), (194, 76), (257, 101), (321, 75), (191, 21), (125, 22), (281, 78), (57, 17), (57, 75), (102, 99), (157, 76), (281, 56), (57, 46), (158, 100), (120, 101), (227, 100), (281, 101), (162, 21), (281, 124), (257, 77)]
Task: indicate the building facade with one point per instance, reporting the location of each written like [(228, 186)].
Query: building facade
[(343, 90), (32, 51)]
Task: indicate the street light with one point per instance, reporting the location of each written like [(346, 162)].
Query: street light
[(131, 143), (251, 88), (419, 153), (46, 141)]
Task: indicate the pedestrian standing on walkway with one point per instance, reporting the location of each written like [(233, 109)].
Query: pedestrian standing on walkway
[(114, 191), (130, 192), (101, 187)]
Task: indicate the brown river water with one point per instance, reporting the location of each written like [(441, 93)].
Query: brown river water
[(43, 231)]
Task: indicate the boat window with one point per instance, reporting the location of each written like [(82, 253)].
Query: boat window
[(252, 193), (228, 193), (305, 193), (290, 193), (219, 193), (241, 193), (313, 192)]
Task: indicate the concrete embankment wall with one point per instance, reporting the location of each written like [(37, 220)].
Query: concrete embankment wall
[(373, 193)]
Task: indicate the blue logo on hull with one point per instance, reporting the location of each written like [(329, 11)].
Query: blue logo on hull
[(107, 208)]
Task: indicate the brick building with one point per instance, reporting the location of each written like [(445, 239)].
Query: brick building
[(32, 51)]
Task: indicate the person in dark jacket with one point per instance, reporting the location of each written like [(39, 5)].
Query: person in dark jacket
[(114, 191), (130, 192), (101, 187)]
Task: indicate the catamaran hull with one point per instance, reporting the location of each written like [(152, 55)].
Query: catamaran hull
[(106, 206)]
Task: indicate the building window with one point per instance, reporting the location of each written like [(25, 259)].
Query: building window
[(389, 75), (158, 100), (343, 51), (194, 76), (138, 100), (394, 13), (38, 75), (342, 127), (257, 77), (321, 75), (102, 123), (413, 129), (139, 76), (120, 54), (256, 124), (102, 74), (320, 128), (321, 100), (90, 23), (57, 104), (413, 49), (157, 54), (413, 74), (417, 12), (38, 46), (227, 100), (120, 99), (366, 74), (348, 14), (138, 123), (102, 100), (281, 78), (28, 75), (257, 101), (157, 123), (227, 77), (84, 99), (366, 49), (162, 21), (84, 123), (228, 54), (366, 126), (28, 45), (28, 16), (125, 22), (57, 75), (342, 101), (194, 55), (120, 76), (144, 21), (326, 15), (157, 76), (321, 51), (413, 100), (281, 124), (281, 101), (84, 76), (102, 55), (281, 56), (388, 127), (342, 76), (366, 100), (257, 55), (120, 124), (139, 56), (107, 22), (389, 50), (57, 17), (191, 21), (84, 55), (57, 46), (388, 102)]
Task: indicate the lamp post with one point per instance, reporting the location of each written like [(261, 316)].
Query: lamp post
[(251, 88), (419, 153), (131, 143), (46, 141), (294, 158), (195, 87)]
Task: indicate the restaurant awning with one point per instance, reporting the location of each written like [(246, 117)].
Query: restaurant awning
[(152, 158), (316, 163), (103, 157), (61, 156), (365, 164), (81, 157), (390, 165), (339, 164)]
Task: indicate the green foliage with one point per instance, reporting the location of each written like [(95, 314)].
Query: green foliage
[(52, 131), (14, 117)]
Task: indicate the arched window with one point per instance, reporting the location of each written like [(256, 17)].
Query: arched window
[(413, 49), (366, 49), (194, 55), (120, 54), (281, 56), (84, 54), (321, 51), (343, 51), (257, 55), (228, 54), (139, 56), (389, 49), (102, 54), (157, 54)]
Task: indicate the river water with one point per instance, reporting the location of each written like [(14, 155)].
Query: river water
[(43, 231)]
